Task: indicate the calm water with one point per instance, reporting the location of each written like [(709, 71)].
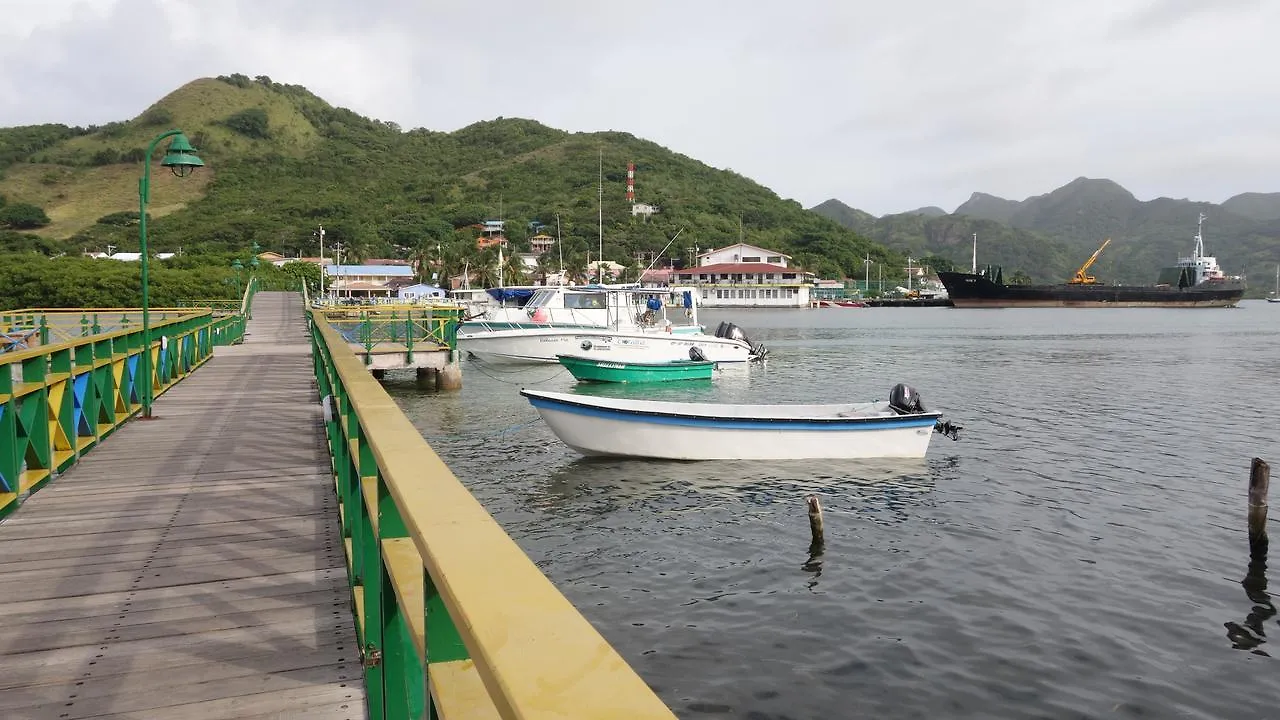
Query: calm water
[(1077, 554)]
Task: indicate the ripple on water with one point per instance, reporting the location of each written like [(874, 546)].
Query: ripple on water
[(1078, 554)]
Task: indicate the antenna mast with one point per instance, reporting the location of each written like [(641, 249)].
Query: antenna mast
[(560, 248), (1200, 236), (974, 270), (600, 212)]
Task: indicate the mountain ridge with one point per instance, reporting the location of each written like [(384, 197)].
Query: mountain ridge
[(1048, 235)]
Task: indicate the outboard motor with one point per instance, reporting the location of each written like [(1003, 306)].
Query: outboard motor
[(904, 400), (695, 353), (729, 331)]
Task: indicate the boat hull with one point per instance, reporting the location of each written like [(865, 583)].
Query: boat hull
[(968, 290), (595, 431), (594, 370), (542, 345)]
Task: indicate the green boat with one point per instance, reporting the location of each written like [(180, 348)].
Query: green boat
[(592, 369)]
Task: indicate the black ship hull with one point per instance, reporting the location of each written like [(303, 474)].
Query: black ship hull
[(970, 290)]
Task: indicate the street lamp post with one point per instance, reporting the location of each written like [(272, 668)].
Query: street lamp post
[(238, 266), (181, 158)]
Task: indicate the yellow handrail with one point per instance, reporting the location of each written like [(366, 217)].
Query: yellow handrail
[(536, 655)]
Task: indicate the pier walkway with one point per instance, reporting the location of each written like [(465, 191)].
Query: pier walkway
[(192, 566)]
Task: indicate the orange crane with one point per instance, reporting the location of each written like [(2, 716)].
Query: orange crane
[(1082, 279)]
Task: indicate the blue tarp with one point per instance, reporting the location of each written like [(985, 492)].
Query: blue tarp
[(504, 295)]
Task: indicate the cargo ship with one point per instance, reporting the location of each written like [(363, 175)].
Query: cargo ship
[(1196, 281)]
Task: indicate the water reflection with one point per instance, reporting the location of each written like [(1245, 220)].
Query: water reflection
[(1251, 634)]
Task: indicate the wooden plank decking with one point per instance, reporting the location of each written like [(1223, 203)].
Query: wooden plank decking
[(191, 565)]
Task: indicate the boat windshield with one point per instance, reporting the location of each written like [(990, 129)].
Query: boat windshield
[(541, 298), (584, 301)]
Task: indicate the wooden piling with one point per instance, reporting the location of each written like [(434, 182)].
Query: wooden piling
[(815, 519), (1259, 484)]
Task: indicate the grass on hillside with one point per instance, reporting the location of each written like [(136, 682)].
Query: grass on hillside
[(74, 198), (196, 108)]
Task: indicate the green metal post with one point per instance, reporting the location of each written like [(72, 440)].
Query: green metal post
[(44, 329), (144, 191), (181, 161)]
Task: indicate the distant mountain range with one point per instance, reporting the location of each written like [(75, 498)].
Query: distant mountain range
[(1048, 236)]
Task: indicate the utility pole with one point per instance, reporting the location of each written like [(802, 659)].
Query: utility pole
[(866, 276), (320, 234), (909, 273)]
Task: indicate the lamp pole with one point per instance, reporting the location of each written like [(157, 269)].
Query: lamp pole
[(866, 279), (182, 160)]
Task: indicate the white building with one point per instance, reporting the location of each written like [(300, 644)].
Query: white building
[(365, 280), (744, 275), (644, 209), (419, 292)]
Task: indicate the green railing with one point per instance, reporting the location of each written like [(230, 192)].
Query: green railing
[(396, 328), (58, 401), (454, 620)]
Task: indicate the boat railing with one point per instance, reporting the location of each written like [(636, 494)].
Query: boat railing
[(452, 617)]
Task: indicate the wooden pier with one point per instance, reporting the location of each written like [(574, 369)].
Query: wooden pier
[(191, 566)]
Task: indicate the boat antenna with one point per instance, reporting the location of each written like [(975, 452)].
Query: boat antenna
[(560, 248), (664, 251), (600, 212), (1200, 236)]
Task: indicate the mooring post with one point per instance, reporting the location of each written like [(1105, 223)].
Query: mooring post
[(815, 519), (1259, 484)]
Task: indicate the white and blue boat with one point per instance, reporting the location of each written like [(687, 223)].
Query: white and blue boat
[(619, 324), (599, 426)]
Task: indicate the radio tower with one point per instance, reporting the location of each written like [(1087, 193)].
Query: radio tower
[(631, 183)]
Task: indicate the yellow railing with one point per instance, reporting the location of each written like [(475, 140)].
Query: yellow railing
[(454, 619)]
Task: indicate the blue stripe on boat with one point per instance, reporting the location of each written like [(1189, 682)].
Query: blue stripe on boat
[(838, 424)]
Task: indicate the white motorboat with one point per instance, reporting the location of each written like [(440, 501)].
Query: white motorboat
[(627, 324), (896, 428)]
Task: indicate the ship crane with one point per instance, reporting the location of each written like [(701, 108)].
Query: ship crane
[(1080, 277)]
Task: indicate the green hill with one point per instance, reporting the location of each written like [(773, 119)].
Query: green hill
[(281, 161)]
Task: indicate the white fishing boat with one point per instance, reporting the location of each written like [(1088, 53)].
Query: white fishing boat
[(627, 324), (896, 428)]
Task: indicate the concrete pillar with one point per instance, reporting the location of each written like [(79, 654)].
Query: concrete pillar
[(450, 377), (426, 379)]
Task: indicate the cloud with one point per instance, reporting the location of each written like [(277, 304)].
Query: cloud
[(887, 106)]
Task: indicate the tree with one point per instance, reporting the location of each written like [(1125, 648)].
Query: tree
[(22, 216), (303, 271), (251, 123)]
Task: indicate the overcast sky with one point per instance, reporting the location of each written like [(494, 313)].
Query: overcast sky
[(887, 106)]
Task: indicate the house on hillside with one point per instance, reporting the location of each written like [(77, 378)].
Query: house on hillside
[(643, 210), (744, 275), (540, 243), (487, 241)]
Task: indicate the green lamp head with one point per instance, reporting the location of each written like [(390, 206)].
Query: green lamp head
[(237, 265), (181, 158)]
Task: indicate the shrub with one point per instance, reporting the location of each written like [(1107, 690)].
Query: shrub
[(23, 216), (250, 123)]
